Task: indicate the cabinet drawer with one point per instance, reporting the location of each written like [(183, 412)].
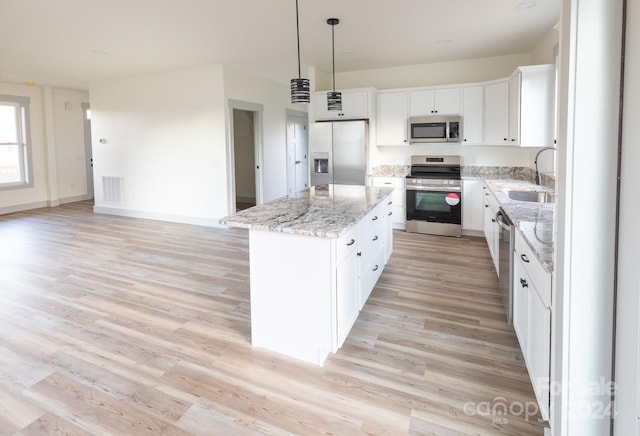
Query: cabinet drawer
[(530, 263), (398, 195), (347, 243)]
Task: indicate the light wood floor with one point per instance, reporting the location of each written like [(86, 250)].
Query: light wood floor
[(121, 326)]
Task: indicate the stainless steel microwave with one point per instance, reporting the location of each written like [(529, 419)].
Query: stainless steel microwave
[(447, 128)]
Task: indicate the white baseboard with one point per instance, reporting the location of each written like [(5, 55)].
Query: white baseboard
[(75, 199), (478, 233), (22, 207), (207, 222)]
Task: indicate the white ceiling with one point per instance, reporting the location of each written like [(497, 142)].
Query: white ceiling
[(67, 43)]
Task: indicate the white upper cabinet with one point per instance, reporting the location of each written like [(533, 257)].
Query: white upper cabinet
[(444, 101), (355, 105), (391, 118), (531, 115), (496, 113), (472, 115)]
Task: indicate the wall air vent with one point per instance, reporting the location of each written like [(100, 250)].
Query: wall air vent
[(112, 189)]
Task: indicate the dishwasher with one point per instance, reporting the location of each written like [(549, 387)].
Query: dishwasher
[(505, 262)]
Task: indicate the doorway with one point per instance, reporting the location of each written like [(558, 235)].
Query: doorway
[(297, 151), (88, 148), (245, 155), (244, 158)]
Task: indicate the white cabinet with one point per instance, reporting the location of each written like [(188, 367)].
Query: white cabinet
[(347, 283), (440, 101), (398, 198), (355, 105), (531, 106), (472, 115), (472, 205), (372, 250), (496, 113), (490, 226), (532, 318), (391, 118)]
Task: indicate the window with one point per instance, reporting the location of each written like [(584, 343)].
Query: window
[(15, 159)]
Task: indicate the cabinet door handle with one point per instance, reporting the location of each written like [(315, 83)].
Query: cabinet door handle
[(390, 213), (524, 283), (390, 203), (504, 139), (524, 258), (359, 253), (493, 220), (374, 218), (351, 242), (486, 205), (375, 238), (375, 268)]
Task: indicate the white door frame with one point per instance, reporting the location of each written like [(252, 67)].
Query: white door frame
[(297, 114), (88, 149), (257, 110)]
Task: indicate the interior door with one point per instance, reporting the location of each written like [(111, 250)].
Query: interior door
[(88, 148)]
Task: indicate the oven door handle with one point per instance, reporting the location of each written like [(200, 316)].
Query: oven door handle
[(434, 188)]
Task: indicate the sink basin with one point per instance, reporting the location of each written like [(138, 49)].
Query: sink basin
[(533, 196)]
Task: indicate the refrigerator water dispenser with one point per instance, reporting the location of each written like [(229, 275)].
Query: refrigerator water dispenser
[(321, 163)]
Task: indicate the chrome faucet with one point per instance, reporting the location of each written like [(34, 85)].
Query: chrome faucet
[(535, 161)]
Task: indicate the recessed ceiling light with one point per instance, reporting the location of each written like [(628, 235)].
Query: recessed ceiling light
[(99, 51), (528, 4), (443, 41)]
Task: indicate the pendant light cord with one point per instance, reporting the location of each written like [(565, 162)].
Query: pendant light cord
[(333, 55), (298, 38)]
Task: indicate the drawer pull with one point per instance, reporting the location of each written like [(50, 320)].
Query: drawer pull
[(351, 242), (374, 218), (524, 258), (390, 213), (359, 253), (486, 205), (375, 238), (524, 283), (375, 268), (390, 203), (493, 220)]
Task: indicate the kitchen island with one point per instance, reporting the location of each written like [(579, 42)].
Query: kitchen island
[(315, 256)]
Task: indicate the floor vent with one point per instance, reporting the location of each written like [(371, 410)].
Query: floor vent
[(112, 189)]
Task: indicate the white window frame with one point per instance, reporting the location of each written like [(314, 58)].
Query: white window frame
[(24, 140)]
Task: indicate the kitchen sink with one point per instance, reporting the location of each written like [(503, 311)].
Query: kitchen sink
[(533, 196)]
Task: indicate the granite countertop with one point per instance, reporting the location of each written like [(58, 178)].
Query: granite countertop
[(390, 171), (324, 211), (535, 221)]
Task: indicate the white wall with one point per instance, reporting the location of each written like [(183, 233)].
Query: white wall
[(628, 305), (59, 147), (542, 53), (275, 98), (437, 73), (165, 136), (69, 140)]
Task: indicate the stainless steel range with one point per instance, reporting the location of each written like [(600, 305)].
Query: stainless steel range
[(434, 196)]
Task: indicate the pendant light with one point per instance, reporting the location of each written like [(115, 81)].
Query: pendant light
[(299, 87), (334, 99)]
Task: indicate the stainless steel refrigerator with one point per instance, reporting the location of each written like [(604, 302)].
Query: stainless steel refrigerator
[(338, 151)]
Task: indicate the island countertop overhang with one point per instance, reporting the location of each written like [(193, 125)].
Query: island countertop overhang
[(326, 211)]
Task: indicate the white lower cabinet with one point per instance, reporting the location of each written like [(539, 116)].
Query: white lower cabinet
[(398, 198), (347, 293), (490, 225), (372, 250), (532, 319), (472, 205)]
